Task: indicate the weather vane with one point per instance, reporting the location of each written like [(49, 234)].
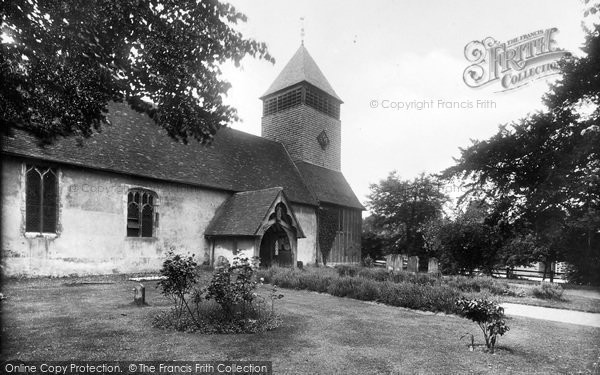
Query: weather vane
[(302, 29)]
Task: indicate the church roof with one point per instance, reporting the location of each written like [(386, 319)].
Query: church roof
[(244, 213), (301, 68), (328, 185), (133, 144)]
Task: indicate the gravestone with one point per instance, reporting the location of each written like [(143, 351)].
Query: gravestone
[(222, 262), (433, 266), (397, 262), (389, 262), (139, 295), (394, 262), (413, 264)]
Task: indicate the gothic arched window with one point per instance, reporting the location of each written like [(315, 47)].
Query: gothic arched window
[(141, 216), (41, 199)]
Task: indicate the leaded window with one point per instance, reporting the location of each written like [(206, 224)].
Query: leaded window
[(141, 213), (41, 199)]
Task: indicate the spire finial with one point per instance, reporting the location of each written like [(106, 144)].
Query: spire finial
[(302, 30)]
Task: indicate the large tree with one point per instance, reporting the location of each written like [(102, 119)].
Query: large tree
[(475, 239), (62, 61), (400, 208), (546, 168), (372, 242)]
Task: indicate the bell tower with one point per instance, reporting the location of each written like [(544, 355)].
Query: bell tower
[(302, 111)]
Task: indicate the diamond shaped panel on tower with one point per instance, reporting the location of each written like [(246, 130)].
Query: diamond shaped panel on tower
[(323, 139)]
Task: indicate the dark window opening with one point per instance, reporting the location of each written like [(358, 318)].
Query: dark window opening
[(41, 199), (140, 213), (282, 102), (322, 103), (305, 94)]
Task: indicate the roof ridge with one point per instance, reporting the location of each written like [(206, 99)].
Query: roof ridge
[(257, 190)]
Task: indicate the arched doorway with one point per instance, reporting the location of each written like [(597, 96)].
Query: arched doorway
[(275, 248), (278, 243)]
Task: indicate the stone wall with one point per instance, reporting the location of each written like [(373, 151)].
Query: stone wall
[(229, 248), (92, 219), (91, 236)]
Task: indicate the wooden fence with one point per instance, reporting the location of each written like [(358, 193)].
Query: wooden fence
[(400, 262)]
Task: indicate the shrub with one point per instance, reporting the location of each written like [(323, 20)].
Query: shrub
[(285, 278), (377, 274), (548, 291), (420, 297), (367, 290), (477, 284), (230, 303), (342, 287), (181, 275), (316, 282), (266, 273), (347, 269), (232, 287), (418, 278), (260, 318), (376, 286), (488, 316)]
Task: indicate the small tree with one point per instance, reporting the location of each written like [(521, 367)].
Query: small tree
[(181, 276), (233, 286), (488, 316)]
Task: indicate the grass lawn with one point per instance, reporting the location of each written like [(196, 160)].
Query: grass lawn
[(45, 319), (569, 302)]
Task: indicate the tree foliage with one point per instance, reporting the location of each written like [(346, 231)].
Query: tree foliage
[(372, 243), (545, 169), (474, 240), (63, 61), (400, 208)]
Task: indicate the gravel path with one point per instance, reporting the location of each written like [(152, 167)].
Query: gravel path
[(557, 315)]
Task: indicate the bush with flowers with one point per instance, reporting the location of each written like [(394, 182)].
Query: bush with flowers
[(231, 303)]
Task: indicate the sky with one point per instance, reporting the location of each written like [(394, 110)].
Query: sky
[(389, 51)]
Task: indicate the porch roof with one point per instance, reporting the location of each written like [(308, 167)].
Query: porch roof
[(244, 213)]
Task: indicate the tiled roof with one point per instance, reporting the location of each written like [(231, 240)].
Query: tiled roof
[(328, 185), (135, 145), (243, 213), (301, 68)]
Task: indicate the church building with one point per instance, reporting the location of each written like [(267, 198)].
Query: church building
[(117, 201)]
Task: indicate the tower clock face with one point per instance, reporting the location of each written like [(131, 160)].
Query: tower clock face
[(323, 139)]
